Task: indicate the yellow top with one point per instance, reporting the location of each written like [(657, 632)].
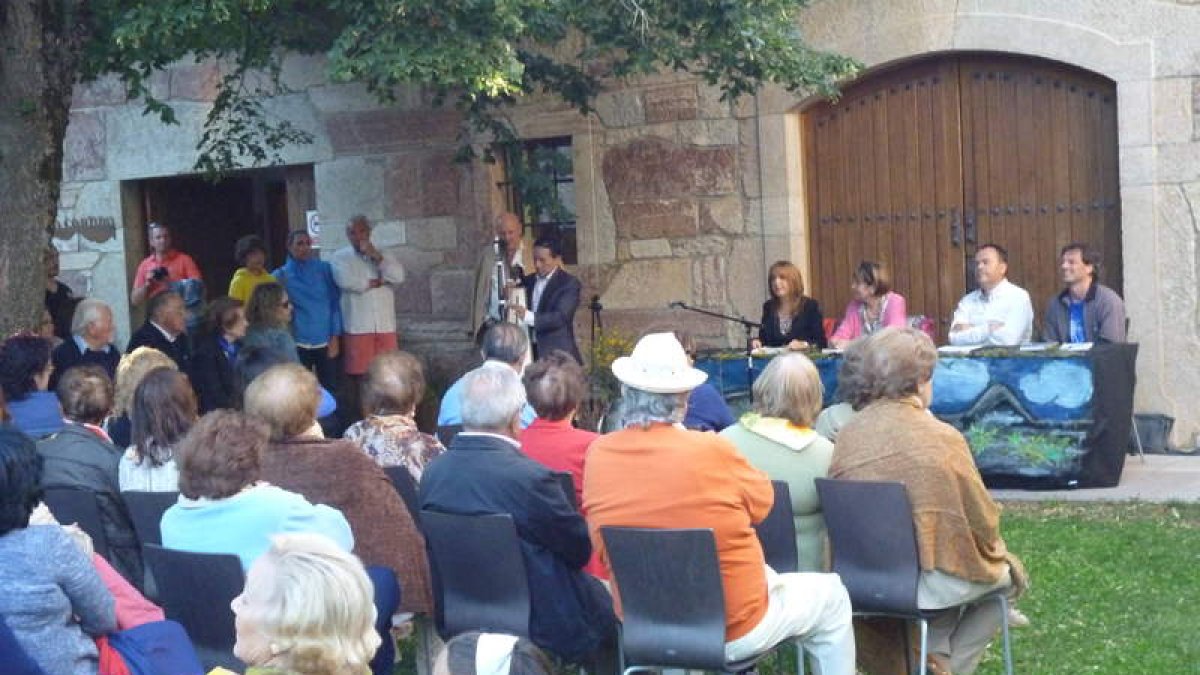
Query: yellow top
[(244, 281)]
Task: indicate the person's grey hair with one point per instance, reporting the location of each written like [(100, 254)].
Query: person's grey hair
[(790, 388), (892, 364), (87, 312), (642, 408), (358, 218), (491, 398), (506, 342)]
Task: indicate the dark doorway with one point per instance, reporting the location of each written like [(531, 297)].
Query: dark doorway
[(206, 218)]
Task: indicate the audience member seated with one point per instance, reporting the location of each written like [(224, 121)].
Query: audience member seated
[(306, 609), (254, 361), (53, 600), (689, 479), (875, 305), (131, 371), (998, 312), (394, 385), (164, 408), (251, 256), (1085, 310), (80, 455), (25, 370), (165, 329), (832, 419), (45, 330), (216, 352), (270, 315), (505, 345), (91, 339), (706, 408), (337, 473), (778, 439), (789, 319), (224, 508), (894, 438), (476, 653), (485, 472)]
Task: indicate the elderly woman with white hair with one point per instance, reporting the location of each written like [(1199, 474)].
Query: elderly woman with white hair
[(894, 438), (92, 330), (778, 439), (306, 609)]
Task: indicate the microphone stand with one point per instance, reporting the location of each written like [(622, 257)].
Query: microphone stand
[(747, 326)]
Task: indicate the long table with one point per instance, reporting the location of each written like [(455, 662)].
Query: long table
[(1035, 420)]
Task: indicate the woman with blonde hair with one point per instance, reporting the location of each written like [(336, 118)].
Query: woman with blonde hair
[(789, 319), (307, 609), (133, 368)]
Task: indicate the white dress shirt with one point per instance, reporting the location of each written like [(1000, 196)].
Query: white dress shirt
[(366, 309), (1007, 304)]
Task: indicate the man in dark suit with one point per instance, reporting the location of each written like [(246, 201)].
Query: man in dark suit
[(90, 342), (165, 329), (553, 297), (484, 471)]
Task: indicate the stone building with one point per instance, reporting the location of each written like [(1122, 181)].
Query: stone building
[(680, 196)]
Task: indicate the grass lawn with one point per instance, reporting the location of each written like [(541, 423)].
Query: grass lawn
[(1114, 588)]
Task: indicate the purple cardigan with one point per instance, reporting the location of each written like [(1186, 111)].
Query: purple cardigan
[(895, 313)]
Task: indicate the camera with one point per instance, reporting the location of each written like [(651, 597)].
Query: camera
[(159, 273)]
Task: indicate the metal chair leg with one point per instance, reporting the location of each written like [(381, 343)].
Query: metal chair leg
[(922, 664), (800, 665), (1008, 665), (1137, 439)]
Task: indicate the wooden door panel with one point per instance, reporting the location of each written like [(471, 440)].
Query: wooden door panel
[(917, 166)]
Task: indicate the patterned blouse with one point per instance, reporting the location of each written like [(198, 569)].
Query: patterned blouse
[(395, 440)]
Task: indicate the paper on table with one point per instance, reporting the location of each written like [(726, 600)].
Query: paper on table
[(1037, 346), (1076, 346), (957, 349)]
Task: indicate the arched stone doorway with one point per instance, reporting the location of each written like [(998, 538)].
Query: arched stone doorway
[(918, 164)]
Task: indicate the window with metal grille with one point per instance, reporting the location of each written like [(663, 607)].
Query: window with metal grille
[(539, 186)]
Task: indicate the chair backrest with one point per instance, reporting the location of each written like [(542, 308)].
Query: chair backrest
[(873, 543), (76, 505), (146, 510), (669, 583), (195, 589), (777, 532), (568, 487), (406, 487), (447, 432), (479, 573)]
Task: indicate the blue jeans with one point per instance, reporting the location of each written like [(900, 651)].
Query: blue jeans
[(387, 601)]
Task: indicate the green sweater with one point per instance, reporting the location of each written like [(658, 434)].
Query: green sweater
[(798, 463)]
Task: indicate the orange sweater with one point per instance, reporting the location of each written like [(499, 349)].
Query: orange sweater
[(673, 478)]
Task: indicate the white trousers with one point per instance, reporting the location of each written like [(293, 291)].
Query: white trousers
[(813, 609)]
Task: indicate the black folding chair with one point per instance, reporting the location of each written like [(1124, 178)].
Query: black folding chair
[(777, 532), (447, 432), (146, 510), (406, 487), (76, 505), (669, 582), (568, 486), (479, 573), (874, 549), (195, 589)]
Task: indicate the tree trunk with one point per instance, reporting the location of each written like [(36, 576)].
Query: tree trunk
[(39, 52)]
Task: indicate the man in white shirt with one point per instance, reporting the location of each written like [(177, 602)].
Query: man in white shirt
[(996, 313), (366, 276)]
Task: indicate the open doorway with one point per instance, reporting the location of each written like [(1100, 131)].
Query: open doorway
[(206, 218)]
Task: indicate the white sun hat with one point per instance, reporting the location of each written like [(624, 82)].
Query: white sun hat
[(658, 365)]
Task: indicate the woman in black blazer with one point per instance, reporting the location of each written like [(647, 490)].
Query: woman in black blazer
[(790, 319), (216, 351)]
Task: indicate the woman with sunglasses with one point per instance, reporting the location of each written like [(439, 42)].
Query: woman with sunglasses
[(270, 315)]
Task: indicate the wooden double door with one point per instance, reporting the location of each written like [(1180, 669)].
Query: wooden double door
[(917, 166)]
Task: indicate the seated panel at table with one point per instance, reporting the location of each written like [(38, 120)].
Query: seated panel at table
[(790, 318), (998, 312)]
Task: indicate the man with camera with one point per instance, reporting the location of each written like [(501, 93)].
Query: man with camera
[(163, 266)]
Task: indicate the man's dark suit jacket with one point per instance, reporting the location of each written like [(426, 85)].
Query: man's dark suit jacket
[(67, 354), (212, 375), (554, 318), (149, 335), (571, 613)]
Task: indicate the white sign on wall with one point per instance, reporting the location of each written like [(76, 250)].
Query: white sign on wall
[(313, 220)]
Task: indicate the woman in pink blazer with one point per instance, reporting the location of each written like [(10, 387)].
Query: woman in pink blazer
[(874, 306)]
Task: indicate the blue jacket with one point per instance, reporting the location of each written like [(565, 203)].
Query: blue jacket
[(316, 300), (450, 411), (570, 614)]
